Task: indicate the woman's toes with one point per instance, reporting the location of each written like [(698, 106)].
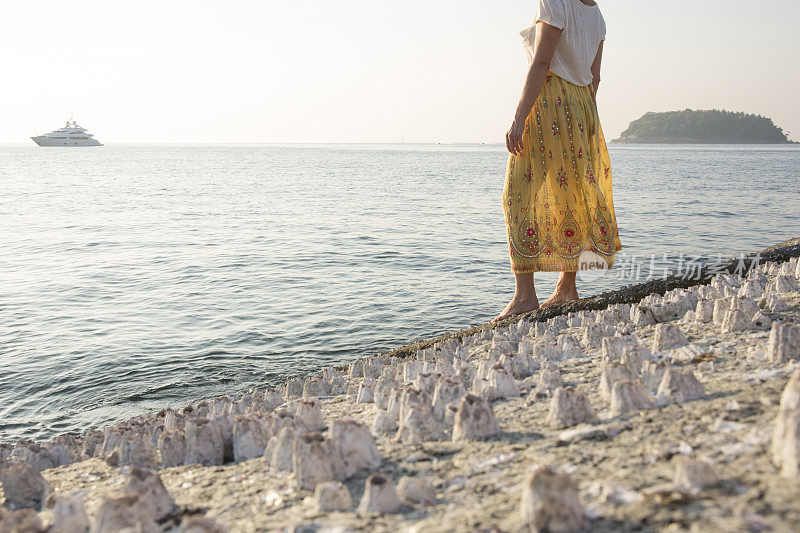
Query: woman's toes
[(500, 317), (517, 307)]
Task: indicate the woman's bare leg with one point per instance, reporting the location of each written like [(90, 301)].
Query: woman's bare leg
[(566, 289), (524, 299)]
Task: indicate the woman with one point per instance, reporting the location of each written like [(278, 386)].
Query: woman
[(557, 197)]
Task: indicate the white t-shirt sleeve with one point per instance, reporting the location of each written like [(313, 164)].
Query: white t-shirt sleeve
[(551, 12), (602, 28)]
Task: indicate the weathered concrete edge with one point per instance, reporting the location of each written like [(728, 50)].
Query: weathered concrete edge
[(778, 253)]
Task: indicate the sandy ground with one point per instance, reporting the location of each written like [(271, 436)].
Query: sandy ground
[(478, 484)]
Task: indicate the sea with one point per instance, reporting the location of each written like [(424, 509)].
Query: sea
[(138, 277)]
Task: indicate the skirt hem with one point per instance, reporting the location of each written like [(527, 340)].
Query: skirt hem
[(564, 264)]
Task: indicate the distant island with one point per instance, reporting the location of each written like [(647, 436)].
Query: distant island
[(702, 127)]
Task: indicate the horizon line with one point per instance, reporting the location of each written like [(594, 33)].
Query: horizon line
[(372, 143)]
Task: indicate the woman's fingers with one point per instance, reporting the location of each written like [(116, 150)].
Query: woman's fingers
[(514, 140)]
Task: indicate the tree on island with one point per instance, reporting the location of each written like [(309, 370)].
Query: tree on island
[(703, 126)]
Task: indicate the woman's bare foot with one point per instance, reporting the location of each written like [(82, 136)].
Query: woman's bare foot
[(517, 306), (560, 296)]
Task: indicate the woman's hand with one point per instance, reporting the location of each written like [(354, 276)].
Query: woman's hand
[(514, 136)]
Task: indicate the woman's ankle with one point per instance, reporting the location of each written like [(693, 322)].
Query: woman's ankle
[(525, 296)]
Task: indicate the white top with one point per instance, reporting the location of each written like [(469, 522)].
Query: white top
[(583, 28)]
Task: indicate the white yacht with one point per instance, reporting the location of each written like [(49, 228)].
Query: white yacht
[(69, 135)]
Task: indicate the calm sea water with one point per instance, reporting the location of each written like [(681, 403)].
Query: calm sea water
[(135, 277)]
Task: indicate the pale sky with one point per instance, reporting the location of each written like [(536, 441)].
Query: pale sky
[(368, 71)]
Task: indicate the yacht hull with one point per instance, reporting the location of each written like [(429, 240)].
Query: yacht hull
[(45, 141)]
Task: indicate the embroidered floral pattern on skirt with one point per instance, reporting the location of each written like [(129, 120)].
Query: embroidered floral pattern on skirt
[(557, 197)]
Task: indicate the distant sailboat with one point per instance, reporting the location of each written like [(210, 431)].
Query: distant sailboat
[(69, 135)]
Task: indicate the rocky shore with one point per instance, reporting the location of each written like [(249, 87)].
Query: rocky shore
[(672, 405)]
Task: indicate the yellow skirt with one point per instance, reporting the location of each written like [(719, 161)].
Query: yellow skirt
[(557, 196)]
